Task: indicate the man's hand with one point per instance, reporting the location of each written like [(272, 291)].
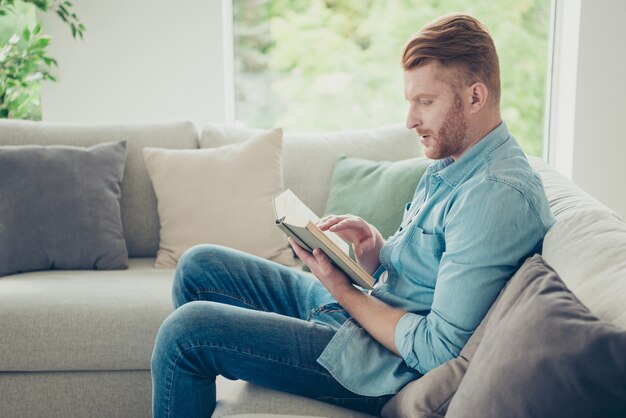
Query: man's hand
[(321, 266), (365, 238), (378, 318), (352, 229)]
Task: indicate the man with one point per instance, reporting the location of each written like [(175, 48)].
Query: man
[(478, 212)]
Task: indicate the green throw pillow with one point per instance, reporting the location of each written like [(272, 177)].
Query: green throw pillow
[(375, 191)]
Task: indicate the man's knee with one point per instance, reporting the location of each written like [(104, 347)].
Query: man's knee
[(167, 344), (179, 332), (198, 256), (195, 269)]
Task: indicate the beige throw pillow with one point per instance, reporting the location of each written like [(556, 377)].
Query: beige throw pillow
[(219, 196)]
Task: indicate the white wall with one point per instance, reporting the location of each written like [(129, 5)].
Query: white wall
[(600, 119), (587, 140), (141, 60), (152, 60)]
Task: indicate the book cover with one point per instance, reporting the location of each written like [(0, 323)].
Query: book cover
[(297, 221)]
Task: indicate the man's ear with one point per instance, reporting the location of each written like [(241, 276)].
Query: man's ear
[(479, 95)]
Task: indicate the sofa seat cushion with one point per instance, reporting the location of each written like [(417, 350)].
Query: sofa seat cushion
[(235, 397), (82, 319), (271, 416)]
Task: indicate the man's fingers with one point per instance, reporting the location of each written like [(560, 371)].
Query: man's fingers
[(314, 261), (328, 221), (332, 221), (348, 223), (300, 252), (364, 246), (323, 262)]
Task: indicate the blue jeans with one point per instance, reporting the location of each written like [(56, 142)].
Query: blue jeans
[(244, 317)]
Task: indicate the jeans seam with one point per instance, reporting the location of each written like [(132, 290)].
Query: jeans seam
[(328, 308), (317, 312), (230, 295), (171, 384), (221, 347)]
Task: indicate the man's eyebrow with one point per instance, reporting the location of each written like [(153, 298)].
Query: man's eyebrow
[(422, 96)]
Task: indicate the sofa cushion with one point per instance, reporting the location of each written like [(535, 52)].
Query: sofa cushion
[(83, 319), (309, 158), (586, 246), (588, 250), (377, 191), (543, 354), (239, 397), (139, 207), (564, 197), (76, 394), (60, 207), (219, 196)]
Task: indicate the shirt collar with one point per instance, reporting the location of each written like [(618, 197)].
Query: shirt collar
[(452, 171)]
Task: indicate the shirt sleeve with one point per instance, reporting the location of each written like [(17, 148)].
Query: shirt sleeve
[(489, 230)]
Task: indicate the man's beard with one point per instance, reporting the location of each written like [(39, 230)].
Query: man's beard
[(451, 138)]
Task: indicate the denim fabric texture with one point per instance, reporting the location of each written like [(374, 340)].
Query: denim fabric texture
[(244, 317), (470, 226)]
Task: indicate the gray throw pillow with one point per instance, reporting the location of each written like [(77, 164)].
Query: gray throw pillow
[(60, 207), (544, 354)]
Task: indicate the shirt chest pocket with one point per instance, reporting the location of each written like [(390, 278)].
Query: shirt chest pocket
[(419, 254)]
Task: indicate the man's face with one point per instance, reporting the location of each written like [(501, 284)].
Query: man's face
[(436, 111)]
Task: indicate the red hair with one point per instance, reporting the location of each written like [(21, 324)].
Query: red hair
[(460, 42)]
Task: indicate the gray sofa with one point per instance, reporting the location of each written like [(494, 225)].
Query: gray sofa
[(78, 343)]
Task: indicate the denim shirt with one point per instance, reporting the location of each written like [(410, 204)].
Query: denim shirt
[(469, 227)]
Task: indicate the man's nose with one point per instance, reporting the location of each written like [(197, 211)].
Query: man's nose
[(413, 119)]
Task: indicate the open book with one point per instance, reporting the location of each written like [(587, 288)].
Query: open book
[(298, 222)]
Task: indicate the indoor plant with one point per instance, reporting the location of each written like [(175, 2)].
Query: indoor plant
[(24, 62)]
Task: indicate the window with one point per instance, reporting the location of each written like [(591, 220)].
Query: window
[(335, 64)]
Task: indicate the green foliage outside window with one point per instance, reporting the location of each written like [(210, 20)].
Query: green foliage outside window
[(335, 64)]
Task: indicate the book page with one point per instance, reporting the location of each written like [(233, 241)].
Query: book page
[(293, 209), (288, 205)]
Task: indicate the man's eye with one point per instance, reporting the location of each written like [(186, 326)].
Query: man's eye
[(426, 102)]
